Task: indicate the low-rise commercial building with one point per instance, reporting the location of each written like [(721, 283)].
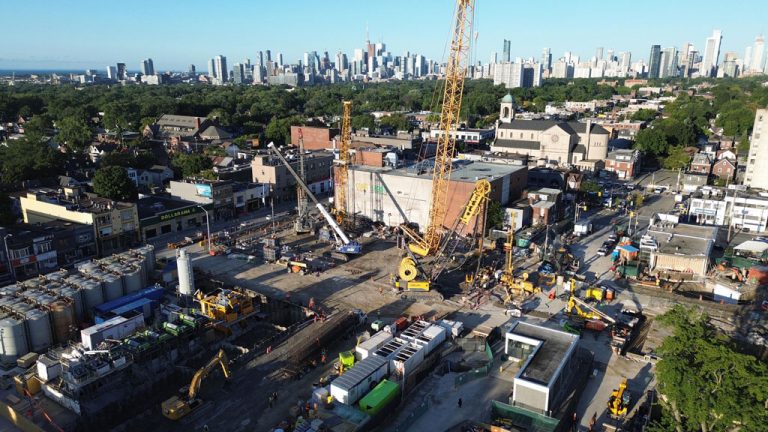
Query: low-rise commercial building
[(115, 224), (214, 194), (742, 210), (546, 205), (160, 215), (469, 136), (267, 169), (677, 247), (315, 138)]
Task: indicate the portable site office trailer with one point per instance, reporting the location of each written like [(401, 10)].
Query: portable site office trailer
[(370, 346), (408, 359), (358, 381), (390, 349), (431, 338), (414, 330), (379, 398)]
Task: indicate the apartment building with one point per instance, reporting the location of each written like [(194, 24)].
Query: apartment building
[(267, 169)]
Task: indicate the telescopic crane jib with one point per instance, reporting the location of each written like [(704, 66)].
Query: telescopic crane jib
[(342, 169)]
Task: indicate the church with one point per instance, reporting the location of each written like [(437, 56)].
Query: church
[(566, 144)]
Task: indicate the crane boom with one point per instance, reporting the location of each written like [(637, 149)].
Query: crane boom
[(353, 246), (342, 170), (455, 73)]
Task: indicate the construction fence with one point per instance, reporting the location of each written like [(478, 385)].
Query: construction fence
[(522, 418), (413, 417), (477, 372)]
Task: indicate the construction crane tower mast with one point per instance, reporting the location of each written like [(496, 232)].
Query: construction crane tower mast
[(455, 73), (342, 170)]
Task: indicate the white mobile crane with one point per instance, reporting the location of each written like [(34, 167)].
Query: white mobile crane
[(344, 245)]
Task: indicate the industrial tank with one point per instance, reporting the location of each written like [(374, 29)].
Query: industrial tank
[(13, 338), (186, 275), (88, 267), (39, 330), (63, 313), (92, 295), (148, 253), (132, 279), (11, 290), (113, 286), (76, 297), (58, 276)]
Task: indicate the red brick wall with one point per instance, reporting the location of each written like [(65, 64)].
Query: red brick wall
[(369, 158), (314, 138)]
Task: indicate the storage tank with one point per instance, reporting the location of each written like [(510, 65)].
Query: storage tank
[(88, 267), (92, 296), (58, 276), (13, 335), (11, 290), (147, 252), (39, 330), (76, 298), (186, 274), (132, 279), (113, 286), (63, 314)]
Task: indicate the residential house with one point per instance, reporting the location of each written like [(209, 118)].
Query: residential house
[(725, 169), (701, 164), (726, 154), (625, 163), (155, 176), (215, 134), (546, 205), (97, 150)]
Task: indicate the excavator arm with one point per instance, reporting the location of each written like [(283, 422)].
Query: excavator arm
[(202, 373)]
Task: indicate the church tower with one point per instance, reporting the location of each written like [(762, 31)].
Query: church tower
[(507, 110)]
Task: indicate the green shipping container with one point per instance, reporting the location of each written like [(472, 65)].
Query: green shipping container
[(378, 398)]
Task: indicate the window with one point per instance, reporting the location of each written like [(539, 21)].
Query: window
[(19, 253), (521, 134), (42, 247), (126, 215), (531, 136)]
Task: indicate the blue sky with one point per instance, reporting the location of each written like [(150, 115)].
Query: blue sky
[(86, 33)]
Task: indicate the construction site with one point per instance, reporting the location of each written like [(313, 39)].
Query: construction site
[(391, 308)]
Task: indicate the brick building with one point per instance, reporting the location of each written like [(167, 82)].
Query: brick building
[(267, 169), (315, 138), (625, 163), (701, 164), (724, 169)]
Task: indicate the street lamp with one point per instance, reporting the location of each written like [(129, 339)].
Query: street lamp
[(208, 225), (8, 256)]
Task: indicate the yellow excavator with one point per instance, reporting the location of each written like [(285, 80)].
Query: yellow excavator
[(584, 309), (177, 407), (619, 401), (411, 275)]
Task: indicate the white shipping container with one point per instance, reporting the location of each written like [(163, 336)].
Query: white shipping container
[(408, 359), (414, 330), (375, 342), (431, 338), (359, 380)]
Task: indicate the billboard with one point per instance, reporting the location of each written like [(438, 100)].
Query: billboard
[(204, 190)]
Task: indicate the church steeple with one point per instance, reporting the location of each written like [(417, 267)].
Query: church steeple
[(507, 109)]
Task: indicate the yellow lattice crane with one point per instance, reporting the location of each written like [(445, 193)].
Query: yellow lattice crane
[(455, 72), (342, 170)]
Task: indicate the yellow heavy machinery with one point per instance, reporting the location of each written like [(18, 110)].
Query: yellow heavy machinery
[(342, 168), (177, 407), (514, 287), (225, 305), (619, 401), (411, 275), (456, 70)]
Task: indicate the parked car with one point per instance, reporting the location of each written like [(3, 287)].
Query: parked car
[(658, 190), (612, 238), (603, 251)]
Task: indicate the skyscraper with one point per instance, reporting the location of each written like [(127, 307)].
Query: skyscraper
[(711, 54), (757, 175), (112, 72), (599, 53), (147, 67), (758, 50), (546, 59), (211, 69), (122, 73), (507, 53), (268, 53), (191, 70), (279, 59), (220, 66), (238, 73), (654, 63), (668, 63)]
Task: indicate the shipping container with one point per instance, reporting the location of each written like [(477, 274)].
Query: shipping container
[(401, 323), (414, 330), (369, 346), (359, 380), (453, 327), (379, 398)]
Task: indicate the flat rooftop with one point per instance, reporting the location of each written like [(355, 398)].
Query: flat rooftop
[(552, 351), (463, 170), (683, 239)]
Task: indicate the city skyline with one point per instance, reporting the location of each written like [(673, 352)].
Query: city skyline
[(173, 49)]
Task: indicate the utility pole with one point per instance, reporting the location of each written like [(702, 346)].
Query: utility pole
[(208, 227)]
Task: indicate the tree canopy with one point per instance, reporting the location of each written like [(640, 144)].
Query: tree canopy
[(113, 182), (27, 159), (708, 385), (75, 133), (187, 165)]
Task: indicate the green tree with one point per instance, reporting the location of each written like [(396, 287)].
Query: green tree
[(590, 186), (188, 165), (113, 182), (397, 122), (7, 217), (279, 130), (27, 159), (707, 384), (678, 158), (651, 141), (363, 121), (495, 215), (644, 115), (75, 133)]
